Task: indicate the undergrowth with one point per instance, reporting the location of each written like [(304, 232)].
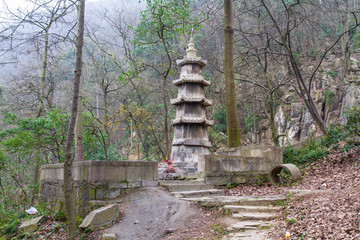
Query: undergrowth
[(338, 137)]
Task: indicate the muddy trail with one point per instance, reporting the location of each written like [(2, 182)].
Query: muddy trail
[(152, 213)]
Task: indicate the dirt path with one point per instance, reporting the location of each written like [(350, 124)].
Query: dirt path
[(152, 214)]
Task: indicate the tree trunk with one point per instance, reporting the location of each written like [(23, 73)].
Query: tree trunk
[(305, 94), (231, 114), (68, 188), (43, 74), (36, 175), (346, 40), (79, 138), (304, 91), (166, 128), (39, 111), (106, 117)]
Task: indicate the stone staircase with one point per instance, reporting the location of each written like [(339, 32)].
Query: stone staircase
[(250, 215), (252, 220), (191, 189)]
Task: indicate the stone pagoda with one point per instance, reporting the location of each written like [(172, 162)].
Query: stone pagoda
[(190, 134)]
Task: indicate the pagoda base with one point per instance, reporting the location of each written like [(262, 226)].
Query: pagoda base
[(185, 158)]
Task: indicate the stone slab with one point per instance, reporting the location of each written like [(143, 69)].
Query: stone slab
[(178, 186), (108, 236), (254, 216), (101, 217), (149, 183), (29, 226), (263, 209), (200, 193), (218, 201)]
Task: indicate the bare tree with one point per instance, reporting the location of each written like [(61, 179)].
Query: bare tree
[(284, 38), (68, 188)]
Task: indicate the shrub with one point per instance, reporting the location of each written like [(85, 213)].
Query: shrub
[(337, 134)]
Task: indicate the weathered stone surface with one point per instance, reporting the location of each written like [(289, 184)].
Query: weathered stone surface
[(263, 209), (108, 236), (178, 186), (236, 200), (29, 226), (103, 171), (96, 180), (101, 217), (190, 134), (149, 183), (199, 193), (254, 216), (268, 152)]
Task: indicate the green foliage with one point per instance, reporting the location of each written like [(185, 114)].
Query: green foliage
[(332, 73), (315, 150), (352, 116), (330, 97), (219, 231), (165, 19), (311, 153), (249, 117), (220, 120), (29, 135), (60, 216), (12, 227)]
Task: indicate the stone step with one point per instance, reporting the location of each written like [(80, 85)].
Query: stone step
[(246, 225), (254, 216), (102, 203), (247, 235), (199, 193), (241, 209), (219, 201), (181, 186)]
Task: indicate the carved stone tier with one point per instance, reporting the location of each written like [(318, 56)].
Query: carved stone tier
[(186, 60), (202, 100), (199, 120), (191, 142), (191, 79), (190, 135)]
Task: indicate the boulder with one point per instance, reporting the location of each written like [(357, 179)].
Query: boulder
[(29, 226), (108, 236), (101, 217)]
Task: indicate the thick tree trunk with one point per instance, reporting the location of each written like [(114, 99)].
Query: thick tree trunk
[(231, 114), (68, 188)]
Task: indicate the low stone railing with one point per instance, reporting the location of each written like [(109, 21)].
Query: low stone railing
[(96, 180)]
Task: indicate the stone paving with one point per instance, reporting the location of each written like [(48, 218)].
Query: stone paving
[(252, 215)]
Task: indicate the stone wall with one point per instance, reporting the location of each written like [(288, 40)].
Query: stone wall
[(96, 180), (246, 164)]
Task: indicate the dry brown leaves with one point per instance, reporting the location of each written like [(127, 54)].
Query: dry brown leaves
[(332, 216)]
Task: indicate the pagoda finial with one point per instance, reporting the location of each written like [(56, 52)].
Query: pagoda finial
[(191, 51)]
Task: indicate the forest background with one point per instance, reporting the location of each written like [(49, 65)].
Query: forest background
[(296, 71)]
